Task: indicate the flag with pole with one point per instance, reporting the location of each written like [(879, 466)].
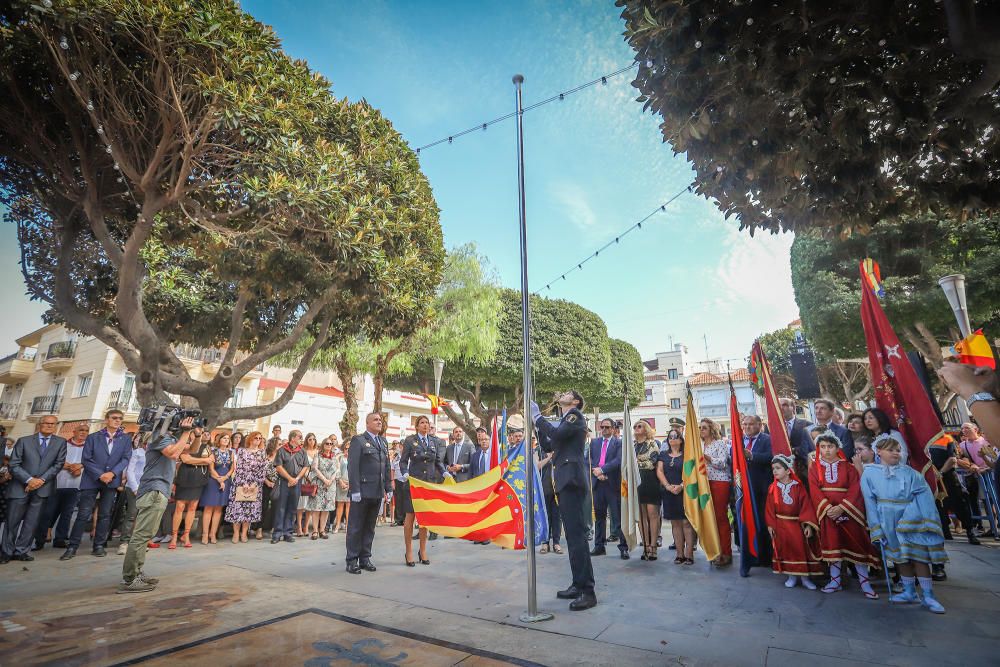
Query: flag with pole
[(974, 349), (898, 391), (747, 512), (630, 483), (495, 457), (697, 493), (760, 375), (502, 437)]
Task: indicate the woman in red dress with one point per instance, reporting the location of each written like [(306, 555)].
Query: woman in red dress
[(835, 487), (791, 521)]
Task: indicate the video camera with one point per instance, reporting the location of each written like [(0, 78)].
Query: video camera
[(167, 419)]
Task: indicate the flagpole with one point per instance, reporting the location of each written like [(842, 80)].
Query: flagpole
[(532, 615)]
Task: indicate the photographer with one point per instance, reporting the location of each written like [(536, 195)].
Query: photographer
[(151, 499)]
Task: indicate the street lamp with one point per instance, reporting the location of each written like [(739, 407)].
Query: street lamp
[(438, 370), (954, 291)]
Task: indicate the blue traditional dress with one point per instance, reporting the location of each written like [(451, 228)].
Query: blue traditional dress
[(901, 512)]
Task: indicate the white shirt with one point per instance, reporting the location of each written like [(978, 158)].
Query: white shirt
[(133, 473), (65, 479)]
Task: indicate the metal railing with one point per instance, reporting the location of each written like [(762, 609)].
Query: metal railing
[(25, 355), (64, 349), (43, 405), (8, 410), (125, 400)]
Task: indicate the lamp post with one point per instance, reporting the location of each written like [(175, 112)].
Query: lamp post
[(438, 370)]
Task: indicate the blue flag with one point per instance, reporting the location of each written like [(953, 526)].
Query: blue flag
[(515, 476)]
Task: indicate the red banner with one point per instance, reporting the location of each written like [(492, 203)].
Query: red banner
[(760, 372)]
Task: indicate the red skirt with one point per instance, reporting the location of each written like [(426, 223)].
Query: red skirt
[(793, 554)]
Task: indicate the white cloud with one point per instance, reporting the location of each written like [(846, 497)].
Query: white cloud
[(572, 198)]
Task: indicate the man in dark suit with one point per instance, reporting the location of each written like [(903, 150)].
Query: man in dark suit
[(371, 484), (757, 450), (458, 456), (479, 461), (105, 457), (568, 443), (798, 438), (825, 410), (605, 470), (34, 464)]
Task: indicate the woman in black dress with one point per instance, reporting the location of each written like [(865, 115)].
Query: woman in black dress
[(647, 452), (191, 479), (669, 471)]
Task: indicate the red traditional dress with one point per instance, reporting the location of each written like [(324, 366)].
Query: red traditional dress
[(789, 508), (845, 538)]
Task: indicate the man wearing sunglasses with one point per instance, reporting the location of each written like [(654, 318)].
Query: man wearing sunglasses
[(605, 470)]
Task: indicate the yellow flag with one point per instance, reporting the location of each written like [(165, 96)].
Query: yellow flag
[(697, 493)]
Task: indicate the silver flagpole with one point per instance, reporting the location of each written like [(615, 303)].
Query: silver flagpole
[(532, 615)]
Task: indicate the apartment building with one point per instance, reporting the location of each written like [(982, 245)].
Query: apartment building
[(78, 378)]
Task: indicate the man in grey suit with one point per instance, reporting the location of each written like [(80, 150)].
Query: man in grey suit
[(371, 484), (458, 457), (34, 464)]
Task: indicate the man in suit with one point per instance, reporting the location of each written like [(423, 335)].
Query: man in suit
[(479, 462), (605, 470), (757, 450), (371, 484), (458, 457), (34, 464), (568, 442), (105, 457), (825, 411), (798, 438)]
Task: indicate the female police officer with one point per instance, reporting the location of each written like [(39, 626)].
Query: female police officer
[(423, 458)]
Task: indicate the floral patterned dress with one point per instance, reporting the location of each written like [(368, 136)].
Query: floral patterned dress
[(343, 494), (251, 465), (325, 499)]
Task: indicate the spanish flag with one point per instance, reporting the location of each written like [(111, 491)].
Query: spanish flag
[(975, 350), (436, 403), (697, 494)]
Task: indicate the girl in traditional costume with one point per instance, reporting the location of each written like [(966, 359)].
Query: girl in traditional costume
[(791, 522), (903, 518), (835, 489)]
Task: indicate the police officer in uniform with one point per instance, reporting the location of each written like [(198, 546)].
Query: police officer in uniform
[(572, 477), (422, 458), (371, 484)]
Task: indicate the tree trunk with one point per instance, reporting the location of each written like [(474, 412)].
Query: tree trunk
[(349, 423)]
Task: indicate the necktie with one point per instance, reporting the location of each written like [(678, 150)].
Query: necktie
[(604, 453), (45, 444)]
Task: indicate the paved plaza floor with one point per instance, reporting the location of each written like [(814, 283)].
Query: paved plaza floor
[(285, 604)]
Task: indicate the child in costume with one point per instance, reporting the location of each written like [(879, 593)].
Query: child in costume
[(791, 522), (835, 489), (902, 517)]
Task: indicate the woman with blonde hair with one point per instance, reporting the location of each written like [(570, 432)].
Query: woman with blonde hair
[(718, 457), (246, 494), (647, 453), (215, 495)]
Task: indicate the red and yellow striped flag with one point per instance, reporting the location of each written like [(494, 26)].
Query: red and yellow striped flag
[(482, 508), (975, 350)]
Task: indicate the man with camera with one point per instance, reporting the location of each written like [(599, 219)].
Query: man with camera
[(154, 491)]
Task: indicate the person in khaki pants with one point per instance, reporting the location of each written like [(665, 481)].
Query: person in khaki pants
[(151, 501)]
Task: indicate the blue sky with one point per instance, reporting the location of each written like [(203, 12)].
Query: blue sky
[(594, 163)]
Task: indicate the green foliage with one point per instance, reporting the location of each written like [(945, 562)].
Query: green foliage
[(830, 115), (912, 253), (777, 345), (626, 372)]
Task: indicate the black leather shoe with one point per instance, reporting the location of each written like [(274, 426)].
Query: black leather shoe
[(100, 552), (59, 544), (288, 538), (4, 558), (353, 568), (972, 537), (585, 601), (625, 555), (27, 558), (368, 566), (598, 551), (570, 593), (69, 553), (275, 540)]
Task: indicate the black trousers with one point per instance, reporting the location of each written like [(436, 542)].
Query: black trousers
[(361, 529), (555, 522), (956, 502), (972, 484), (57, 511), (22, 513), (104, 500), (573, 507), (285, 506)]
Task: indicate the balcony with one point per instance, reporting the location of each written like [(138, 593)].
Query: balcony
[(210, 358), (8, 413), (17, 367), (59, 356), (125, 400), (44, 405)]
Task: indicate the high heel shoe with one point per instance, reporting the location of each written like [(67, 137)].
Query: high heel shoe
[(187, 539), (423, 561), (173, 542), (409, 563)]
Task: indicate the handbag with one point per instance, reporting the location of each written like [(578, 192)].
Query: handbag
[(246, 493), (308, 490)]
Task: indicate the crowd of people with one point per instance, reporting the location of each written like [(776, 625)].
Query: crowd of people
[(844, 501)]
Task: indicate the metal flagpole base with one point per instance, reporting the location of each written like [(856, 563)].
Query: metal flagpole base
[(536, 618)]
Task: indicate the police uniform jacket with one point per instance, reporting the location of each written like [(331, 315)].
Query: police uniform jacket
[(424, 462), (368, 466), (568, 440)]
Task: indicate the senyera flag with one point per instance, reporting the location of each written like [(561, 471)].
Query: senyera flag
[(760, 375), (746, 512), (898, 391), (488, 507)]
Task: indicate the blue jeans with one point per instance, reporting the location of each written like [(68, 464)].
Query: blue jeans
[(58, 510), (285, 507), (104, 500)]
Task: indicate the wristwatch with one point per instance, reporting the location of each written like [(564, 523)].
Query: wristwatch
[(979, 396)]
